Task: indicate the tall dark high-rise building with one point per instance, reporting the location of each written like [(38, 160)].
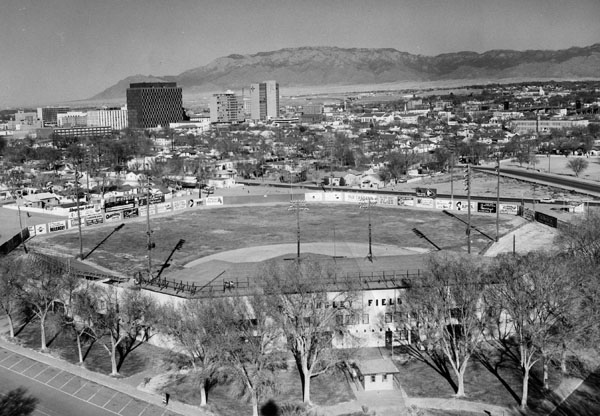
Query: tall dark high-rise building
[(153, 104), (49, 115)]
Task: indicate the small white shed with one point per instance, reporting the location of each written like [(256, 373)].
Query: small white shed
[(377, 374)]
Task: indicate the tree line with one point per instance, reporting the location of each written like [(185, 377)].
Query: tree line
[(536, 309)]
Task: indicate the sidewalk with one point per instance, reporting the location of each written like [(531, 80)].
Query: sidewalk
[(155, 401)]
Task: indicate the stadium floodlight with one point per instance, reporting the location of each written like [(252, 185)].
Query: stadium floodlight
[(297, 205), (367, 205)]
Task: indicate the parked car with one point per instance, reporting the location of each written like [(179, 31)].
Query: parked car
[(547, 200)]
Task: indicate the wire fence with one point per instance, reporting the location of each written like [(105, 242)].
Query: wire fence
[(244, 285)]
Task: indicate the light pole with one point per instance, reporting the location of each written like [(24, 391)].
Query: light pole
[(148, 230), (468, 189), (367, 205), (298, 205), (498, 201), (452, 179), (78, 211), (16, 197)]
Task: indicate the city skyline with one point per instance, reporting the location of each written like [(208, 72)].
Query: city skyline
[(62, 50)]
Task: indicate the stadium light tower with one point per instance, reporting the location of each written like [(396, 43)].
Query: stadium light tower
[(298, 205), (367, 205), (468, 189)]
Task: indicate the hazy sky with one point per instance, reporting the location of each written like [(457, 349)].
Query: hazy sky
[(53, 50)]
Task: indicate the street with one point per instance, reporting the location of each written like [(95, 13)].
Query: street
[(61, 393)]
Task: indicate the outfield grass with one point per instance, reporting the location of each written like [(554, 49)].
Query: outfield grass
[(212, 230)]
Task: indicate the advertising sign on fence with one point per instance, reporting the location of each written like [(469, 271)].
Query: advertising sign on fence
[(214, 200), (57, 226), (489, 207), (119, 203), (443, 204), (313, 196), (84, 210), (426, 192), (143, 211), (527, 213), (40, 229), (112, 216), (357, 198), (93, 219), (463, 206), (130, 213), (333, 197), (546, 219), (31, 230), (425, 202), (387, 200), (181, 204), (509, 209), (74, 222), (164, 207), (407, 201)]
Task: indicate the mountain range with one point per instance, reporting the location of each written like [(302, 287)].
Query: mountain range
[(333, 66)]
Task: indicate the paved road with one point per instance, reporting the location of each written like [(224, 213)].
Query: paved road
[(560, 181), (63, 394)]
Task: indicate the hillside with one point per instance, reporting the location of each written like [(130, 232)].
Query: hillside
[(320, 66)]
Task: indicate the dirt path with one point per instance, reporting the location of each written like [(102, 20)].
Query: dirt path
[(531, 236)]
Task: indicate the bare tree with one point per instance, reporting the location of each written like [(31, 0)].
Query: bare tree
[(17, 403), (250, 349), (577, 165), (197, 326), (12, 279), (447, 301), (581, 238), (307, 314), (530, 299), (124, 323), (84, 310), (41, 292)]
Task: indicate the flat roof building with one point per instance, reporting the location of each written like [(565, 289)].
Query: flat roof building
[(153, 104), (117, 119), (48, 115), (226, 108), (264, 100)]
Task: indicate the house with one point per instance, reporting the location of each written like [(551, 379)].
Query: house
[(371, 181), (377, 374), (41, 200)]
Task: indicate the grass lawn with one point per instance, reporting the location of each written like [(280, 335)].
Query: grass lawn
[(224, 399), (481, 385), (209, 231)]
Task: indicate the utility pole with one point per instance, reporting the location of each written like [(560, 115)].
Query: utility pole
[(148, 230), (452, 179), (468, 189), (298, 205), (78, 211)]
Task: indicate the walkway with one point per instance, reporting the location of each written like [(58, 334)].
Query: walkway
[(95, 389)]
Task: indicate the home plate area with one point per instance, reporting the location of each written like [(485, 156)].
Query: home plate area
[(343, 257)]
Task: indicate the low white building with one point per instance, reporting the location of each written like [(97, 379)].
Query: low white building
[(377, 374)]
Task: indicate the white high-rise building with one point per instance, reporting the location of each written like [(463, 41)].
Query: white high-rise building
[(115, 118), (264, 100), (226, 108)]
